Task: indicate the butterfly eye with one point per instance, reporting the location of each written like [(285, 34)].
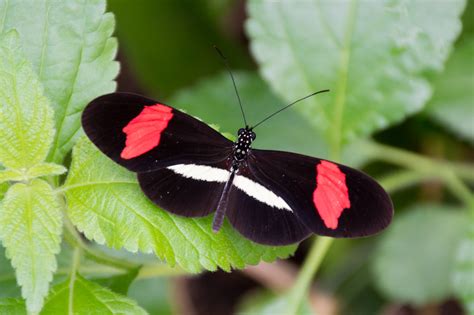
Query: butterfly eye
[(241, 130), (253, 135)]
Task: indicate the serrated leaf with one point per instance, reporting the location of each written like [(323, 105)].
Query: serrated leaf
[(371, 54), (45, 169), (107, 205), (77, 295), (214, 101), (452, 104), (415, 258), (38, 170), (30, 229), (12, 307), (462, 277), (10, 175), (72, 51), (26, 119)]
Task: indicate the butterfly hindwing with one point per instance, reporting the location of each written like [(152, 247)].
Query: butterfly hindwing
[(144, 135), (329, 198), (261, 215)]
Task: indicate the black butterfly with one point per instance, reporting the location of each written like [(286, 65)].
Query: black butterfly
[(271, 197)]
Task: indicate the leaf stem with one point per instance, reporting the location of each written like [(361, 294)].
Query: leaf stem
[(415, 161), (311, 264), (75, 239), (404, 178)]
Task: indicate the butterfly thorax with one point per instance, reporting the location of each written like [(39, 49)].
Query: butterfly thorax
[(243, 143)]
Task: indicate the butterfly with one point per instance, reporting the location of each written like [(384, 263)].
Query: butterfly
[(270, 197)]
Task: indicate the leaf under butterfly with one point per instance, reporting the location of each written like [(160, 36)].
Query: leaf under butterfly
[(70, 46), (107, 205)]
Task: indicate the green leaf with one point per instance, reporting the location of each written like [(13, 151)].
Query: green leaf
[(45, 169), (30, 229), (72, 51), (214, 101), (38, 170), (462, 277), (107, 205), (26, 119), (415, 258), (3, 190), (119, 283), (10, 175), (453, 102), (76, 295), (12, 307), (153, 294), (371, 54)]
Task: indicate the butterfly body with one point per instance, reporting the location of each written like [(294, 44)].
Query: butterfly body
[(271, 197)]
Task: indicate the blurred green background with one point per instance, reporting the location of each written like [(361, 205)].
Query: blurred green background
[(166, 52)]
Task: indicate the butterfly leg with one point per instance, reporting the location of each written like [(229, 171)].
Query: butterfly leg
[(222, 204)]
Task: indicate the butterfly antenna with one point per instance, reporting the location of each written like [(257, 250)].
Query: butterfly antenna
[(285, 107), (226, 63)]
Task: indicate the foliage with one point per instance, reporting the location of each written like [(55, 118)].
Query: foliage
[(409, 244), (383, 61)]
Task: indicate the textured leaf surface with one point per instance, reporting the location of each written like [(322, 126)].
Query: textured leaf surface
[(463, 275), (453, 101), (371, 54), (26, 119), (44, 169), (107, 205), (77, 295), (12, 307), (415, 258), (30, 229), (71, 48)]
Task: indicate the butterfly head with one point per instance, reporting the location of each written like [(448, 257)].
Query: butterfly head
[(244, 140)]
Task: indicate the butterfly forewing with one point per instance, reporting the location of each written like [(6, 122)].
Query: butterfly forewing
[(186, 189), (329, 198), (144, 135)]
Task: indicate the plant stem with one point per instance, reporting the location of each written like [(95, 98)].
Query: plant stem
[(415, 161), (73, 237), (404, 178), (311, 264)]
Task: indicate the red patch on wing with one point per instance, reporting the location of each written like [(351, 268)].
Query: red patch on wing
[(144, 131), (331, 195)]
